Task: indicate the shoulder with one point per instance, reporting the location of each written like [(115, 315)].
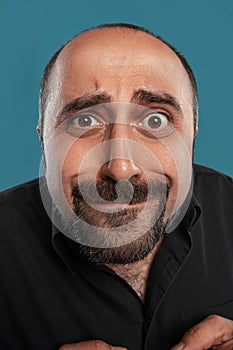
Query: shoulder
[(214, 192), (19, 191), (21, 205), (201, 170), (20, 197), (207, 178)]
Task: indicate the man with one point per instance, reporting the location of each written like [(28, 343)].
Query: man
[(119, 245)]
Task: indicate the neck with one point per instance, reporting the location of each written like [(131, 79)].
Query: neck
[(136, 274)]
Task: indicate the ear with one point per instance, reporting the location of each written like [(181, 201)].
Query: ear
[(38, 129)]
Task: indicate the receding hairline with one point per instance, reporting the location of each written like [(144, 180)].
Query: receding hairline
[(118, 30), (101, 36)]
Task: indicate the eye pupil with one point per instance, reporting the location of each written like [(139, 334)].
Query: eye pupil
[(154, 122), (84, 121)]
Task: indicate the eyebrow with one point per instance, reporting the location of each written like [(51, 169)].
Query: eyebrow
[(141, 97), (145, 97), (83, 102)]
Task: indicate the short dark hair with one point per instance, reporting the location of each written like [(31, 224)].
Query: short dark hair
[(45, 84)]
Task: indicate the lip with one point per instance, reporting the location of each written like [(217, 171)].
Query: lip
[(116, 206)]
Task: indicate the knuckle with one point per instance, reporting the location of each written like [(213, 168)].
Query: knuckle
[(215, 318), (88, 345), (194, 332), (100, 345)]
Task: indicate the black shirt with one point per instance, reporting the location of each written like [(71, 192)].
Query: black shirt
[(50, 296)]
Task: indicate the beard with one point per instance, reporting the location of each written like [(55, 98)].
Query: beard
[(118, 236), (127, 253)]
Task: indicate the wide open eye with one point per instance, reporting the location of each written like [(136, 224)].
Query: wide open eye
[(156, 124), (82, 123), (155, 121)]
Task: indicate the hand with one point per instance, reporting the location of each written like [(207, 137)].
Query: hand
[(90, 345), (213, 332)]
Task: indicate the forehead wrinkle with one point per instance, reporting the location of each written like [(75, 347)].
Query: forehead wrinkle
[(97, 84)]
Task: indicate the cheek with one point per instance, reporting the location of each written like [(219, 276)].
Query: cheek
[(168, 165), (71, 163), (80, 163), (175, 158), (63, 155)]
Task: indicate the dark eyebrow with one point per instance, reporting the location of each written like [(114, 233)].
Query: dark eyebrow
[(145, 97), (141, 97), (83, 102)]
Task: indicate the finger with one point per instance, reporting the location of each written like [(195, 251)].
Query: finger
[(226, 346), (213, 330), (90, 345)]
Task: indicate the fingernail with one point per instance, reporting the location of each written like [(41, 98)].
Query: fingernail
[(118, 348), (179, 346)]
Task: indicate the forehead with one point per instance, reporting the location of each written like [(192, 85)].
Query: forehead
[(119, 61)]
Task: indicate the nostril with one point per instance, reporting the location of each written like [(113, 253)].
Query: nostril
[(120, 169)]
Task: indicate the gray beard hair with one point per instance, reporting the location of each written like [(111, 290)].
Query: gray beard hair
[(138, 249), (121, 237), (120, 252), (134, 251)]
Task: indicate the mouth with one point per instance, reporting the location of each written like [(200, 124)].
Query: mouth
[(117, 199), (112, 207)]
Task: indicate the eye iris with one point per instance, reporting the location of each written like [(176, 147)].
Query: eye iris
[(154, 122), (84, 121)]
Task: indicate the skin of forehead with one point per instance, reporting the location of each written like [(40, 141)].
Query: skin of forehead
[(107, 41), (128, 50), (108, 38)]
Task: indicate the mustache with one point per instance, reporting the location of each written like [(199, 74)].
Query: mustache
[(124, 191)]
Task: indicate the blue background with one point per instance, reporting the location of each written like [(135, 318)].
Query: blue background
[(30, 31)]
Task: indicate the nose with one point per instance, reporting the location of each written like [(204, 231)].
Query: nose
[(120, 169), (122, 163)]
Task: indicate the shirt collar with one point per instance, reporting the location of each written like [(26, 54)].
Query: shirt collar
[(192, 215)]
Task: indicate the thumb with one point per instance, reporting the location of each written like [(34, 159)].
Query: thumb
[(90, 345), (213, 330)]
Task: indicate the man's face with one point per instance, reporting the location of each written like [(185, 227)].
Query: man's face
[(119, 117)]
